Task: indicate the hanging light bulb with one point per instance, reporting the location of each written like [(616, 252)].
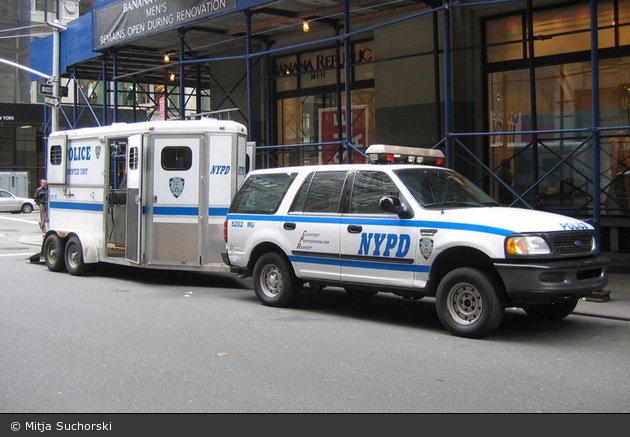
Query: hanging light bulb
[(306, 27), (172, 77), (167, 58)]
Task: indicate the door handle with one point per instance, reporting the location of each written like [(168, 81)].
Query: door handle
[(355, 229), (289, 226)]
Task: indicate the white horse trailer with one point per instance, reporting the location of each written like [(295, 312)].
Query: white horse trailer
[(150, 194)]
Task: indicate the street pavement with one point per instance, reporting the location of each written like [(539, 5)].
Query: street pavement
[(612, 302)]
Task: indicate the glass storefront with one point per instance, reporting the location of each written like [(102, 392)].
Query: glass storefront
[(308, 106), (563, 97)]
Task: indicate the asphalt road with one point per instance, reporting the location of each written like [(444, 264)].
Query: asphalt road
[(124, 340)]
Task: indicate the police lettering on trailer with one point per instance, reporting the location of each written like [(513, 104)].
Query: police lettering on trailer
[(79, 153), (220, 169)]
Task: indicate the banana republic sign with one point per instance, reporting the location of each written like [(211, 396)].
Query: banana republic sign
[(126, 20)]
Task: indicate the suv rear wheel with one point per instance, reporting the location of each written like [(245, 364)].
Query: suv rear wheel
[(275, 282)]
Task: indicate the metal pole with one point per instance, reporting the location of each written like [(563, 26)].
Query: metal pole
[(596, 121), (182, 82), (115, 73), (436, 76), (346, 44), (532, 97), (57, 27), (250, 89), (338, 91), (447, 85)]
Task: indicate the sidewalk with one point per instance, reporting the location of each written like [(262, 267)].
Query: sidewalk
[(618, 303), (612, 302)]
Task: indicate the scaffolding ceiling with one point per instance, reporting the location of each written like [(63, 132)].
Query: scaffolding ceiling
[(142, 60)]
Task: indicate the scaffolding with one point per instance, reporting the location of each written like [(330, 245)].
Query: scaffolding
[(586, 198)]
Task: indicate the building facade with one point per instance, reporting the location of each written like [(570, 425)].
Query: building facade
[(499, 85), (22, 113)]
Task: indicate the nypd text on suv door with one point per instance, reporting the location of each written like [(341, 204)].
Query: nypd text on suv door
[(376, 246)]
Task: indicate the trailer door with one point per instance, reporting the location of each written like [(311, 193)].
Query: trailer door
[(133, 198), (173, 213)]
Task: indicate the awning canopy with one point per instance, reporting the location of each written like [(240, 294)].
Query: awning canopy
[(138, 33)]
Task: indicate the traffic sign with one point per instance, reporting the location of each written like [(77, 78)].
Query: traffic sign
[(47, 90), (51, 101)]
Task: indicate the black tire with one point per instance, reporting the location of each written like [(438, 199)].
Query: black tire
[(470, 303), (73, 256), (275, 282), (552, 311), (27, 208), (360, 293), (54, 253)]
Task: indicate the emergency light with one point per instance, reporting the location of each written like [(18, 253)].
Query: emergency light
[(391, 154)]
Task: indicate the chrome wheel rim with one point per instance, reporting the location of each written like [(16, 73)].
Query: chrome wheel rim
[(73, 256)]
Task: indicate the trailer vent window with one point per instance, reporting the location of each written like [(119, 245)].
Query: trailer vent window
[(176, 158), (56, 155), (133, 158)]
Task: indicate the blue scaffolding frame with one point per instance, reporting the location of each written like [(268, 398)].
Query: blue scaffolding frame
[(453, 143)]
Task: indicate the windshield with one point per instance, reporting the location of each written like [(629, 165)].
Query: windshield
[(439, 188)]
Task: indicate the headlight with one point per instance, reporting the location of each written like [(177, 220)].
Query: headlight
[(530, 245)]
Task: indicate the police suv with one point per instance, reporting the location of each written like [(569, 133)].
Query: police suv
[(412, 230)]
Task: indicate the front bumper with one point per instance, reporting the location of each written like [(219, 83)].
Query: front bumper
[(548, 282)]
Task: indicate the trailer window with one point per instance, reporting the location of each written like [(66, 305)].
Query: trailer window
[(55, 155), (176, 158), (133, 158)]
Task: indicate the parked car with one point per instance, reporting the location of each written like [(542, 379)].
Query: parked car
[(9, 202), (411, 230)]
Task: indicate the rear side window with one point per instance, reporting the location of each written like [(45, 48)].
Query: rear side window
[(262, 194), (320, 192)]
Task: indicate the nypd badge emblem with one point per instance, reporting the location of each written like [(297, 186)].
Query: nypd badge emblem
[(177, 186), (426, 247)]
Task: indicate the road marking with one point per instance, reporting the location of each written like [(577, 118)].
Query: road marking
[(21, 220)]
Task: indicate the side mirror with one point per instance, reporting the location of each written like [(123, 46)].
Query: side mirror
[(392, 204)]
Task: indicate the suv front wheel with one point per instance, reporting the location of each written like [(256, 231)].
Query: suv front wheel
[(470, 303), (275, 282)]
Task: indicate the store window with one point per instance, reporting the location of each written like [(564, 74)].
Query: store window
[(564, 102), (315, 119), (307, 105)]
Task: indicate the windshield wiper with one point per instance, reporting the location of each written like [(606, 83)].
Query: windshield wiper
[(455, 204)]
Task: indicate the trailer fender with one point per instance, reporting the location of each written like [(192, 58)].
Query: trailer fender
[(88, 245)]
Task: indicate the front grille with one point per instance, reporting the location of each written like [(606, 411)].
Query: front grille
[(572, 243)]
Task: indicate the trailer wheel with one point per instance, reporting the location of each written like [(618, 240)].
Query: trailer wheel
[(74, 257), (275, 282), (469, 303), (552, 311), (53, 253)]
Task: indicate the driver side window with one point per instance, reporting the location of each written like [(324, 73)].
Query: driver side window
[(367, 190)]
